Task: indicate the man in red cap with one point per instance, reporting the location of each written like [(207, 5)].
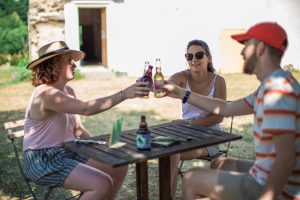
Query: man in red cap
[(276, 128)]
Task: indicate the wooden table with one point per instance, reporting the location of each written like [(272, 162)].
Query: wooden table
[(192, 137)]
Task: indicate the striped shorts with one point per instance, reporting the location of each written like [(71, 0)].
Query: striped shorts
[(51, 166)]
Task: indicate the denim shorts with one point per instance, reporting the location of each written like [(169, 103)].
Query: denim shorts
[(51, 166)]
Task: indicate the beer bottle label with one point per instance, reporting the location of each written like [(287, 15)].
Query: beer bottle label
[(158, 87), (143, 141)]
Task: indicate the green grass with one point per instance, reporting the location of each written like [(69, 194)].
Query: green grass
[(14, 98), (12, 75)]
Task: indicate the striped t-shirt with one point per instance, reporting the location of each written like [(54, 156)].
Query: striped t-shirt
[(276, 107)]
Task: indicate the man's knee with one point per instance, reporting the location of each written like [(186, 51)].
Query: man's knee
[(217, 163), (190, 176)]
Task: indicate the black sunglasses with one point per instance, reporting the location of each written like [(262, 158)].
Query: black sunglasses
[(199, 55)]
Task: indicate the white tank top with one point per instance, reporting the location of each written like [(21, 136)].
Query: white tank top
[(190, 112)]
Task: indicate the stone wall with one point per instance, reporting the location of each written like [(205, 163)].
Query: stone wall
[(46, 23)]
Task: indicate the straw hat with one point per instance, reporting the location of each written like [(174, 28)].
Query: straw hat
[(53, 49)]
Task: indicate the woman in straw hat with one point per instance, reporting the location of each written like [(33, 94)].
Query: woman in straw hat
[(52, 117)]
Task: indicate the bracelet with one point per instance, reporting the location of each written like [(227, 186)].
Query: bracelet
[(186, 96), (121, 94)]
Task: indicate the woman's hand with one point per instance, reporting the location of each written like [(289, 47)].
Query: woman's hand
[(138, 89), (173, 90)]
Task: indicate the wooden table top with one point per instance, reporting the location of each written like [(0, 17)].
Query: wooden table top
[(191, 136)]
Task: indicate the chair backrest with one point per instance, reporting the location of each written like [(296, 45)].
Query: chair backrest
[(230, 131), (15, 130)]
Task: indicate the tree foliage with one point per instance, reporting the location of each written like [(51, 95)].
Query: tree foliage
[(18, 6), (13, 32)]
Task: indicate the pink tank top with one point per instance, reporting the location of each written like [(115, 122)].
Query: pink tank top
[(45, 134)]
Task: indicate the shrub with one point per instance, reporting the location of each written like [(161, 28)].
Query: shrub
[(119, 74), (4, 59), (11, 75), (290, 67), (13, 34), (20, 74), (78, 75), (19, 6), (19, 60)]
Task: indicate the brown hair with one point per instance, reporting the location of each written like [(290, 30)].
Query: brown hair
[(45, 72)]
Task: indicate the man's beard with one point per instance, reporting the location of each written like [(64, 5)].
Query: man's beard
[(249, 65)]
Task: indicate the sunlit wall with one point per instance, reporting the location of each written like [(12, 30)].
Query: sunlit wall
[(140, 30)]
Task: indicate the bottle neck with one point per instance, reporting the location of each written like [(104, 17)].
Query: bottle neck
[(158, 69), (150, 71), (158, 63), (146, 67)]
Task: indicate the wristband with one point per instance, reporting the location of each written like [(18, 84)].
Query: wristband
[(186, 96), (121, 94)]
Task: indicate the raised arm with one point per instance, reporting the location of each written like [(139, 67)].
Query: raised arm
[(282, 167), (57, 101), (178, 79), (212, 105)]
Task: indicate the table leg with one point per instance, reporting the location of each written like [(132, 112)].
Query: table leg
[(142, 180), (164, 178)]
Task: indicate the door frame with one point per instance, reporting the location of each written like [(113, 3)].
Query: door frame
[(71, 12)]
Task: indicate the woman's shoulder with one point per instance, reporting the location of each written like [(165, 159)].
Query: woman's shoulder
[(48, 89), (69, 89), (179, 78), (219, 81), (43, 88), (220, 78), (179, 75), (214, 77)]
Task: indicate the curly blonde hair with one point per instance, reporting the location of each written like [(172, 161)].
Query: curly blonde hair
[(45, 72)]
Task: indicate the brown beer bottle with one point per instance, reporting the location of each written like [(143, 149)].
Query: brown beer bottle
[(147, 77), (143, 137), (158, 80)]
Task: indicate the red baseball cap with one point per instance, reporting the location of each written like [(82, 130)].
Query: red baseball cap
[(270, 33)]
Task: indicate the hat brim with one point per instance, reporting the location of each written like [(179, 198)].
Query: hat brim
[(76, 55), (241, 38)]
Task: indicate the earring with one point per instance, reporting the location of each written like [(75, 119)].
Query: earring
[(186, 63)]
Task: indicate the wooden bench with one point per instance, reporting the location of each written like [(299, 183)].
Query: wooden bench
[(15, 131)]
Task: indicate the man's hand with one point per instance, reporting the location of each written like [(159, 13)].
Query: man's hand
[(173, 90)]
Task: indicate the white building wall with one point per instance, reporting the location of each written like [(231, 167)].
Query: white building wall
[(72, 26), (140, 30), (287, 13)]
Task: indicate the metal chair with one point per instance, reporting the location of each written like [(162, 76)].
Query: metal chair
[(211, 158), (15, 131)]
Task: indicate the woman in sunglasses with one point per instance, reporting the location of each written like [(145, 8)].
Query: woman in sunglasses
[(200, 78)]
